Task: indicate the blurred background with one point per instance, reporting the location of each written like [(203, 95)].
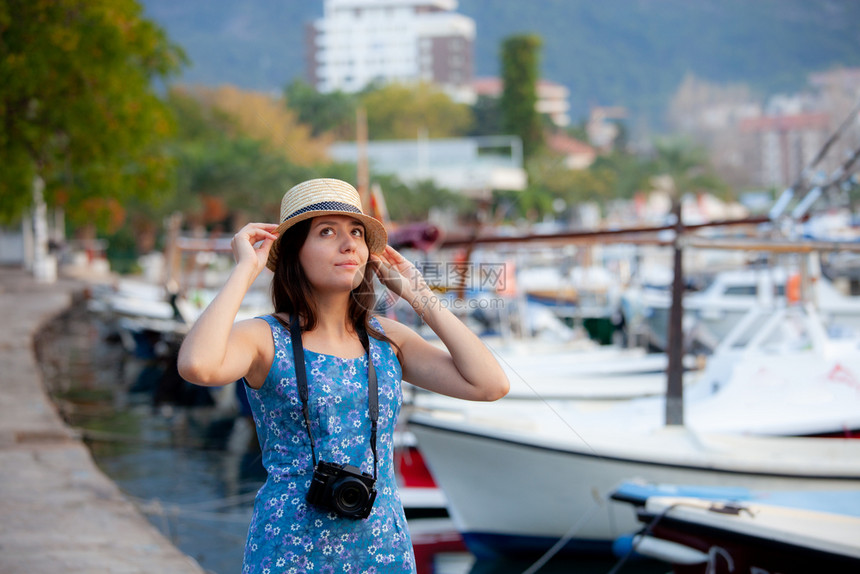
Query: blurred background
[(138, 135)]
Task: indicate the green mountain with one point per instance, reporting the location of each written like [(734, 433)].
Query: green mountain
[(615, 52)]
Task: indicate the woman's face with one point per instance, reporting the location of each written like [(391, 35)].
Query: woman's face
[(335, 253)]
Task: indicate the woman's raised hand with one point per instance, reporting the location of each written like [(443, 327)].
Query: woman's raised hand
[(252, 243), (402, 278)]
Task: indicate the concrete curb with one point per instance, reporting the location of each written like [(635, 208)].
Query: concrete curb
[(58, 511)]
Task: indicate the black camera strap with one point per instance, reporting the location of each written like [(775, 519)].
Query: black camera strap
[(302, 381)]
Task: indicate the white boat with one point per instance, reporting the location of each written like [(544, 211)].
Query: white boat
[(554, 362), (547, 371), (736, 530), (134, 307), (710, 314), (778, 373), (573, 292), (519, 486), (541, 465)]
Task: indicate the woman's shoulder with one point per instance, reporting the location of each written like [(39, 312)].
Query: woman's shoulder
[(382, 323), (261, 329)]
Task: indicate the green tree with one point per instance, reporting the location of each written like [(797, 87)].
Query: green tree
[(550, 179), (224, 168), (78, 105), (488, 117), (398, 111), (631, 173), (413, 202), (687, 168), (519, 96), (332, 113)]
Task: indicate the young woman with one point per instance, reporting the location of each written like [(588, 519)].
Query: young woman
[(323, 376)]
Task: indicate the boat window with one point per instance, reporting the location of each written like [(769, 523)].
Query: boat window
[(740, 290)]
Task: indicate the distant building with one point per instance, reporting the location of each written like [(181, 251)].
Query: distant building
[(769, 144), (602, 126), (843, 79), (577, 154), (837, 92), (778, 148), (472, 166), (700, 108), (552, 99), (358, 42)]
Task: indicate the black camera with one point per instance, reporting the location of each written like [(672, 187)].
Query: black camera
[(342, 488)]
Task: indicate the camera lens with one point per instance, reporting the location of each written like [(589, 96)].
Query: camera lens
[(349, 496)]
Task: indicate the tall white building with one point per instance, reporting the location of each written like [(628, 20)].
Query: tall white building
[(357, 42)]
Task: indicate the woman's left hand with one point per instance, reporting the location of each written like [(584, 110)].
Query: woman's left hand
[(402, 278)]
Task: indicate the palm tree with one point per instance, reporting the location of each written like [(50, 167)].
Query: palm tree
[(688, 168)]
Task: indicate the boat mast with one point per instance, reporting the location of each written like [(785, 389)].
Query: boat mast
[(675, 347), (362, 170)]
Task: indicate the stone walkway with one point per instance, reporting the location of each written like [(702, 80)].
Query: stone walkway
[(59, 514)]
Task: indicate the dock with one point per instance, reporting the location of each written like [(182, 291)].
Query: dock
[(58, 511)]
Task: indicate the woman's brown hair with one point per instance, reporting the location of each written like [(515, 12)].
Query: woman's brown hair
[(292, 292)]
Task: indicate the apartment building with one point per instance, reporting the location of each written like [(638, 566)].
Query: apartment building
[(778, 148), (358, 42)]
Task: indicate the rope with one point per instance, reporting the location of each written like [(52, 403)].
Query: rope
[(558, 415), (642, 534), (547, 556)]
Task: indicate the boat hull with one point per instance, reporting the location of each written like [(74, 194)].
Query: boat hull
[(512, 498), (744, 553)]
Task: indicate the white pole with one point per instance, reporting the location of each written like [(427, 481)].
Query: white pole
[(44, 264)]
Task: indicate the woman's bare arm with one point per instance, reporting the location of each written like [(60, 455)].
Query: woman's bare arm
[(467, 369), (217, 351)]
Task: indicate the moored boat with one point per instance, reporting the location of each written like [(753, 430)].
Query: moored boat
[(717, 530), (518, 487)]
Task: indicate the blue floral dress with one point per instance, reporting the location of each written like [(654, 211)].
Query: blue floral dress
[(286, 533)]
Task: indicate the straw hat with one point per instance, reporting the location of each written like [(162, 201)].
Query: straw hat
[(325, 196)]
